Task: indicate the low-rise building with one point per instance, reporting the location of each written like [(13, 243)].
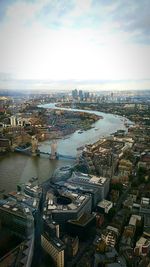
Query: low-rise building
[(145, 206), (125, 167), (144, 161), (4, 145), (134, 220), (142, 246), (146, 230), (109, 237), (103, 156), (104, 206)]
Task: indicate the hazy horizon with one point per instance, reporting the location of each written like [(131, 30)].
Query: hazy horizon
[(87, 44)]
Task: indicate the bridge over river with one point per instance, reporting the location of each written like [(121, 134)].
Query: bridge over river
[(58, 155), (34, 150)]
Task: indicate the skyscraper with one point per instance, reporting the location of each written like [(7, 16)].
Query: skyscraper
[(75, 93)]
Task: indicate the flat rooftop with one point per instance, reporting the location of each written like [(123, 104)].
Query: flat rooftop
[(13, 207), (104, 204), (25, 199), (83, 219), (142, 241), (56, 242), (86, 178), (67, 200)]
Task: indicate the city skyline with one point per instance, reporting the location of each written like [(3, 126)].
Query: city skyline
[(85, 44)]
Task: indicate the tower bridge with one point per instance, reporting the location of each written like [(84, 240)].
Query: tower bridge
[(53, 154)]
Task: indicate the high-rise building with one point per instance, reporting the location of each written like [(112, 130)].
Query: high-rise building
[(55, 248), (86, 95), (75, 93), (81, 94)]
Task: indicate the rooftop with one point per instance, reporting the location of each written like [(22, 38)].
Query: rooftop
[(88, 179), (25, 199), (104, 203), (142, 241), (15, 208), (56, 242), (83, 220), (65, 200)]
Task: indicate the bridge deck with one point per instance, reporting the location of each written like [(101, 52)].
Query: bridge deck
[(59, 155), (28, 152)]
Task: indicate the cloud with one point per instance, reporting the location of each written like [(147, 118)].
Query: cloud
[(87, 39), (134, 16), (125, 16), (3, 8)]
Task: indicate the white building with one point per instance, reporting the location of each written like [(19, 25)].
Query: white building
[(134, 219), (142, 246), (105, 205), (13, 121)]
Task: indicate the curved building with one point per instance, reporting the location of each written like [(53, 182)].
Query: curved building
[(64, 205)]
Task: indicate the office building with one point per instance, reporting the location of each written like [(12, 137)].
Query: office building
[(74, 93), (98, 186), (55, 248), (16, 217), (81, 94), (64, 205)]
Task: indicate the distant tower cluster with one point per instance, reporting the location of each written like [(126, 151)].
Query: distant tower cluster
[(80, 95), (53, 150), (34, 143)]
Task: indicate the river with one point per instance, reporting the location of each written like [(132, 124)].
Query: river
[(18, 168), (103, 127)]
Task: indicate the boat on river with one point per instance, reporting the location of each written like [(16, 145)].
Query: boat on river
[(80, 132), (23, 149)]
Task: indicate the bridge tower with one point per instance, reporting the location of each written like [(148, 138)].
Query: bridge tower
[(34, 143), (53, 150)]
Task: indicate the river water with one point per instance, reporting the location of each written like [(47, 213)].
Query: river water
[(18, 168)]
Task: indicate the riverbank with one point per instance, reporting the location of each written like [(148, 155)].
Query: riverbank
[(136, 113), (60, 123), (16, 168), (102, 127)]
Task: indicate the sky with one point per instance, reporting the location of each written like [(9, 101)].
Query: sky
[(67, 44)]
